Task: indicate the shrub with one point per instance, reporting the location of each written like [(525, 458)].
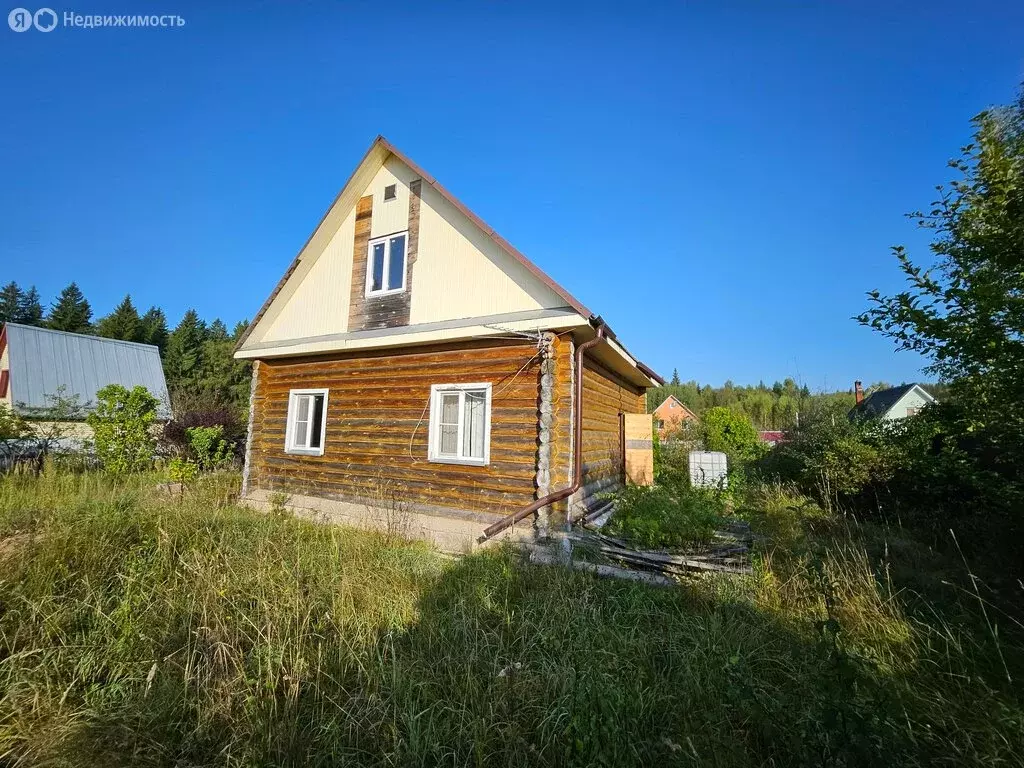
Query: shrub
[(672, 464), (666, 516), (732, 433), (121, 425), (175, 438), (14, 430), (210, 451)]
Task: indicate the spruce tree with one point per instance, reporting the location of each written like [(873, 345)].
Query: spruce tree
[(71, 312), (10, 303), (122, 323), (183, 360), (153, 328), (675, 377), (217, 331), (30, 310)]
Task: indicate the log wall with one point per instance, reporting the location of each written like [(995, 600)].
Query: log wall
[(377, 426), (605, 397)]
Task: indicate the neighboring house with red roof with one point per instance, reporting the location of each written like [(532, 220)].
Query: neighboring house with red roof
[(670, 416), (772, 436)]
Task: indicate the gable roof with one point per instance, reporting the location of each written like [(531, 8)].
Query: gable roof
[(880, 402), (41, 360), (378, 152), (679, 402)]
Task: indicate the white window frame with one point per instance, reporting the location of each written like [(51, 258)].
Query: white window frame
[(289, 433), (434, 436), (386, 239)]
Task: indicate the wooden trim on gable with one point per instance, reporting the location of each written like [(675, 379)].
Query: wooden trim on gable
[(357, 297), (415, 197)]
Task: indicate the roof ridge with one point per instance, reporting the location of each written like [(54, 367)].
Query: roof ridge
[(41, 329)]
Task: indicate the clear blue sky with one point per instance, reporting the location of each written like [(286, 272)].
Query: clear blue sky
[(722, 181)]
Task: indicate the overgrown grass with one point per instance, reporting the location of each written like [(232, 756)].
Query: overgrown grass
[(142, 630), (666, 515)]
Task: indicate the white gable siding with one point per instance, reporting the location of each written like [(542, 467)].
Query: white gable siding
[(393, 215), (460, 272), (315, 302), (914, 398)]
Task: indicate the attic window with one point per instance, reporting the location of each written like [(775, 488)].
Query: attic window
[(385, 267), (390, 192)]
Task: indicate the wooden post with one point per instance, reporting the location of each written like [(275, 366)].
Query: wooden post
[(638, 448)]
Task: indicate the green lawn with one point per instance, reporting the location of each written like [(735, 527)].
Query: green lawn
[(142, 630)]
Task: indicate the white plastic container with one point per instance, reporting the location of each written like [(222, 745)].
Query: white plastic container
[(708, 469)]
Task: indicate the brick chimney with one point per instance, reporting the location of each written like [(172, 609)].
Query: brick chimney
[(858, 392)]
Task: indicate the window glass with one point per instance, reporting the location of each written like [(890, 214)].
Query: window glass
[(396, 263), (449, 424), (316, 427), (377, 267), (473, 424)]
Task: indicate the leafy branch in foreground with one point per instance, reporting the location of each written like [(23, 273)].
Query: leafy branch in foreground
[(965, 312)]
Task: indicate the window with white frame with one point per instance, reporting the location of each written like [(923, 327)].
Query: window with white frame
[(385, 265), (460, 423), (307, 422)]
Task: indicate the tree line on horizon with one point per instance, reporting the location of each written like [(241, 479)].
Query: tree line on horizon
[(198, 361), (203, 375), (779, 406)]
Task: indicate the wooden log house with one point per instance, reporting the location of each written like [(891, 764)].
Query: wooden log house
[(415, 372)]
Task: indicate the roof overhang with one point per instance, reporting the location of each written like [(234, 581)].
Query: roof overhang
[(614, 356), (492, 326)]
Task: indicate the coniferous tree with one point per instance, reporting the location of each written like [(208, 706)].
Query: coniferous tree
[(675, 377), (153, 328), (183, 359), (10, 303), (71, 312), (122, 323), (217, 331), (238, 330), (30, 310), (224, 379)]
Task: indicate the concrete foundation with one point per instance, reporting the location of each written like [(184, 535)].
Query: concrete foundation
[(450, 530)]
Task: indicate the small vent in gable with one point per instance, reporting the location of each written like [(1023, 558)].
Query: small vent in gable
[(390, 192)]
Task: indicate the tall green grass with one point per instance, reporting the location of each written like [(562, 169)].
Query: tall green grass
[(137, 629)]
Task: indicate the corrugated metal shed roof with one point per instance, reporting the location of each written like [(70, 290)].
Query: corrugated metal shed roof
[(42, 360)]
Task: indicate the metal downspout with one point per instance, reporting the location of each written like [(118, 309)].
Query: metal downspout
[(577, 470)]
